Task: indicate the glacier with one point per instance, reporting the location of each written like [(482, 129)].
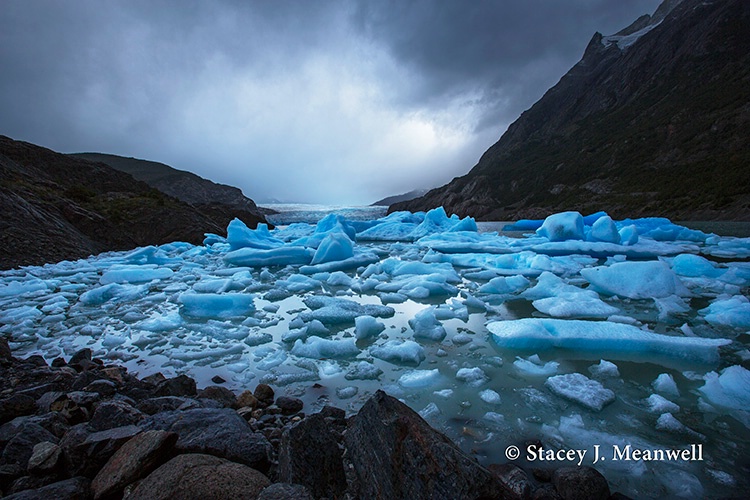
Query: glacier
[(490, 334)]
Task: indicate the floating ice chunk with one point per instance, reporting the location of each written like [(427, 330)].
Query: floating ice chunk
[(113, 291), (444, 393), (359, 259), (216, 285), (505, 285), (562, 226), (426, 326), (671, 305), (347, 392), (667, 422), (256, 339), (393, 298), (605, 369), (396, 351), (557, 298), (210, 354), (490, 397), (298, 283), (604, 229), (328, 369), (662, 229), (362, 370), (213, 305), (695, 266), (659, 404), (733, 311), (240, 236), (19, 314), (419, 379), (665, 384), (534, 367), (15, 288), (319, 348), (495, 419), (281, 256), (437, 221), (397, 267), (161, 322), (729, 391), (367, 326), (430, 411), (335, 246), (472, 376), (636, 280), (135, 274), (628, 235), (339, 278), (335, 310), (618, 341), (581, 389)]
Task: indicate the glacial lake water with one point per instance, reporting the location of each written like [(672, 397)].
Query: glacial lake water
[(485, 397)]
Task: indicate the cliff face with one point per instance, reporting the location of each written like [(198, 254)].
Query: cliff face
[(218, 201), (652, 121), (57, 207)]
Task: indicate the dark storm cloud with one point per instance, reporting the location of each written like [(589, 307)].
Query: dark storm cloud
[(337, 101)]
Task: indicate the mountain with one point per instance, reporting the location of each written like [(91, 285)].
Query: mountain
[(58, 207), (202, 193), (652, 121), (416, 193)]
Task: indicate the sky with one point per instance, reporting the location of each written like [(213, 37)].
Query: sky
[(316, 101)]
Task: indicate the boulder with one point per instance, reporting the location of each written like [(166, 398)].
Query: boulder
[(134, 460), (198, 476), (264, 394), (580, 483), (20, 448), (70, 489), (289, 406), (6, 356), (394, 453), (152, 406), (222, 395), (309, 454), (111, 414), (285, 491), (86, 452), (215, 431), (45, 457), (181, 385), (514, 478), (16, 405), (83, 354), (247, 400)]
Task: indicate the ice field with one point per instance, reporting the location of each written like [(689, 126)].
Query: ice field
[(585, 331)]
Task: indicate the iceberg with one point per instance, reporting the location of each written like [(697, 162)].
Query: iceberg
[(562, 226), (616, 340), (216, 305), (636, 280)]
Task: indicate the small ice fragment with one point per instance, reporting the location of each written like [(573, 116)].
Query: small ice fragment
[(472, 376), (490, 397), (604, 369), (580, 389), (665, 384), (415, 379)]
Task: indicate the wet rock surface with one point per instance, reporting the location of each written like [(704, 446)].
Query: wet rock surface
[(93, 430)]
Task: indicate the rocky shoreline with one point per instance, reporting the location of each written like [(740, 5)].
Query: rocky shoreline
[(80, 429)]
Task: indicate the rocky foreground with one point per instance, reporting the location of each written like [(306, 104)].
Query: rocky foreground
[(83, 429)]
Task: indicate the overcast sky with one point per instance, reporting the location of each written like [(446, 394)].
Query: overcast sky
[(334, 102)]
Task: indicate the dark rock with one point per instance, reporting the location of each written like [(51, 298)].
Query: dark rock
[(9, 473), (134, 460), (76, 488), (31, 483), (514, 478), (201, 476), (289, 406), (20, 447), (102, 387), (545, 492), (542, 475), (309, 454), (264, 394), (16, 405), (154, 379), (220, 432), (36, 360), (217, 379), (83, 379), (86, 452), (285, 491), (49, 398), (58, 363), (116, 374), (44, 457), (6, 355), (111, 414), (394, 453), (152, 406), (580, 483), (224, 396), (182, 385), (83, 354), (337, 414), (84, 398), (247, 399)]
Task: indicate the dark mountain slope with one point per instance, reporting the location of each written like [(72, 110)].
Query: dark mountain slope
[(390, 200), (219, 201), (57, 207), (657, 125)]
